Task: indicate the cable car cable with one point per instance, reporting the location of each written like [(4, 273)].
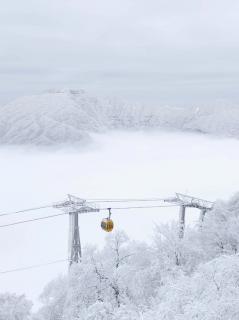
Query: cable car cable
[(102, 209), (24, 210), (31, 220), (95, 200), (126, 200), (141, 207), (34, 266)]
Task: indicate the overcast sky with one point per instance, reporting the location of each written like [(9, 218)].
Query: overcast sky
[(154, 51)]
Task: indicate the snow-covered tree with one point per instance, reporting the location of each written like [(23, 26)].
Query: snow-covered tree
[(101, 280), (173, 253), (53, 300), (195, 277), (220, 229), (210, 294), (14, 307)]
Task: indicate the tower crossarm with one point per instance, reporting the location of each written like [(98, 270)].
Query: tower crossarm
[(189, 201), (194, 202), (76, 205)]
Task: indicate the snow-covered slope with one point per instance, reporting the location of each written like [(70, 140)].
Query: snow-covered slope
[(70, 116), (48, 118)]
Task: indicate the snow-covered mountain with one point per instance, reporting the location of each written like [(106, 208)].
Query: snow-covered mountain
[(70, 116)]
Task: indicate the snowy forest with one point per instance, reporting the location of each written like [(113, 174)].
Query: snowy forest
[(196, 277)]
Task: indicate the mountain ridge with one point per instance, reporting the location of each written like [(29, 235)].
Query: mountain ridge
[(70, 116)]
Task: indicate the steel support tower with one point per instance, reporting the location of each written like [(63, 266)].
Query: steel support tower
[(185, 201), (73, 207)]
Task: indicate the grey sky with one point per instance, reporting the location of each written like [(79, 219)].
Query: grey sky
[(151, 51)]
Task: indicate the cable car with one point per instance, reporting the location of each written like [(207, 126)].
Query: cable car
[(107, 224)]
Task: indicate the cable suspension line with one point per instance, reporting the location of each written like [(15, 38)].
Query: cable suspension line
[(31, 220), (25, 210), (126, 200), (140, 207), (98, 200), (33, 266), (102, 209)]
